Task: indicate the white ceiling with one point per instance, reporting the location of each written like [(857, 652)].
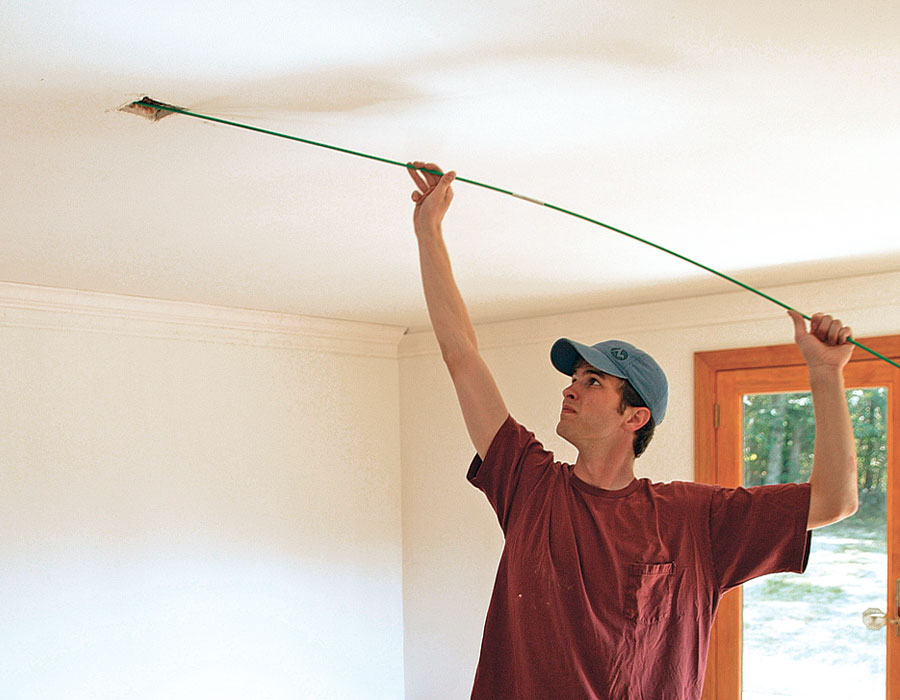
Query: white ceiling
[(762, 139)]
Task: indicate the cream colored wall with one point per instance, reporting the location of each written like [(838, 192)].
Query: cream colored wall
[(202, 502), (196, 502), (452, 541)]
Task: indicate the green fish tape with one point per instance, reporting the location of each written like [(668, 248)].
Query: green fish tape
[(154, 105)]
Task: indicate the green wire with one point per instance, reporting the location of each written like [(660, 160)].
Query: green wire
[(147, 102)]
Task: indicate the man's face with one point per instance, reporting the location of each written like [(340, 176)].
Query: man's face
[(591, 406)]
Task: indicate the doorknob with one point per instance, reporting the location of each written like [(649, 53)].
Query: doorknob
[(875, 619)]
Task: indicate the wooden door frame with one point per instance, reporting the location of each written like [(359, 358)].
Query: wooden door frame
[(723, 675)]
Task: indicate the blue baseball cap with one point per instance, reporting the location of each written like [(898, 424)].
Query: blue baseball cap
[(620, 359)]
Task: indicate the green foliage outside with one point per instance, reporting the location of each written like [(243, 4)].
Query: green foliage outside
[(779, 433)]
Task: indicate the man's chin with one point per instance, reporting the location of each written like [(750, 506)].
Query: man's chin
[(563, 432)]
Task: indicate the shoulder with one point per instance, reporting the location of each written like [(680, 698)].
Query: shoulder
[(513, 433), (695, 492), (514, 443), (687, 491)]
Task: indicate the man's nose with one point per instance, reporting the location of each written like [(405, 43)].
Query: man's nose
[(569, 391)]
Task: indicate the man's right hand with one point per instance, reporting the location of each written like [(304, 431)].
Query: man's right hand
[(432, 197)]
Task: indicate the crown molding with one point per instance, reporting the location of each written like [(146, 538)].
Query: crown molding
[(58, 309), (869, 296)]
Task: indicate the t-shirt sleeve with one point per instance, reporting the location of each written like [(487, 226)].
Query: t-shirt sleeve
[(513, 465), (758, 530)]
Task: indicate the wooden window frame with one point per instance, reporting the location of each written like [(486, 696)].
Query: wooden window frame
[(723, 671)]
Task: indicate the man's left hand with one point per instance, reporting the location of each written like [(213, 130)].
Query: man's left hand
[(825, 344)]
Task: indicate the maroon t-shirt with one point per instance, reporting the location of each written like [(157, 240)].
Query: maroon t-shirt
[(610, 595)]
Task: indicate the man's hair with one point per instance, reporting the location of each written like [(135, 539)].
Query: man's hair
[(644, 434)]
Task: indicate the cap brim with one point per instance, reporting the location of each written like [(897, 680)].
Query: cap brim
[(565, 353)]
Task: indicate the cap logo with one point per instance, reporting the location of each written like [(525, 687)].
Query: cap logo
[(619, 353)]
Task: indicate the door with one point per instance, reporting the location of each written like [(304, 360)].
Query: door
[(791, 636)]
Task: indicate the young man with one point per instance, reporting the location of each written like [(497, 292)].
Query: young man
[(608, 585)]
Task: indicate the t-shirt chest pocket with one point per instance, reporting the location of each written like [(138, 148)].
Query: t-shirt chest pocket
[(648, 592)]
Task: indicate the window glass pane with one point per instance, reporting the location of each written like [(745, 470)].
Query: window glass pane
[(803, 635)]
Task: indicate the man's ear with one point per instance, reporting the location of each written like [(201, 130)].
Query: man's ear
[(640, 416)]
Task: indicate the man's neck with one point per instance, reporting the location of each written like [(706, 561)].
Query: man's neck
[(606, 470)]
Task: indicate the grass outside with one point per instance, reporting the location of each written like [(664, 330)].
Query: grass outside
[(803, 634)]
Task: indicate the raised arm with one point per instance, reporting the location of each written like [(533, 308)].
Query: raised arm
[(834, 480), (479, 398)]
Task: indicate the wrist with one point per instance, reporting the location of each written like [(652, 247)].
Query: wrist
[(826, 375), (424, 230)]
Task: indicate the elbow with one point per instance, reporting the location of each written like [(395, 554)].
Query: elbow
[(452, 358), (828, 511), (850, 506), (845, 507), (849, 503), (458, 355)]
